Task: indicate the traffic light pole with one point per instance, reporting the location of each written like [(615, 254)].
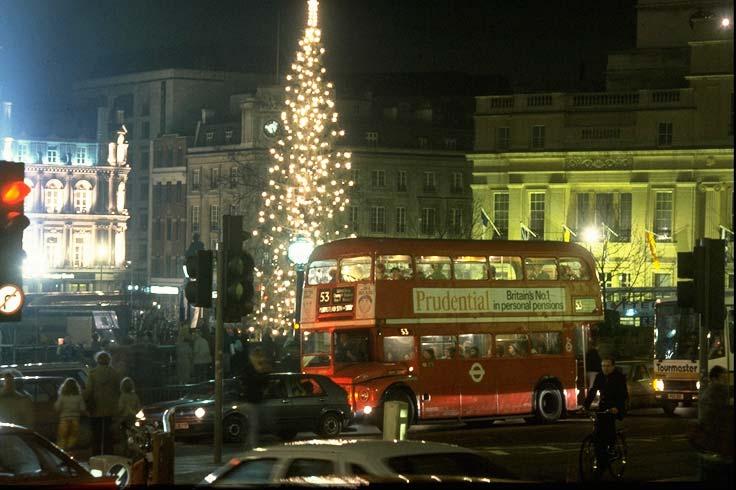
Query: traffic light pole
[(218, 353), (704, 327)]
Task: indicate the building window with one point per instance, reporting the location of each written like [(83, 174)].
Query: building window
[(82, 196), (23, 153), (214, 177), (664, 133), (378, 178), (450, 143), (429, 217), (78, 251), (354, 176), (233, 177), (430, 181), (209, 137), (503, 138), (354, 223), (195, 218), (501, 213), (371, 137), (422, 142), (52, 154), (456, 221), (400, 220), (663, 215), (80, 156), (228, 136), (143, 225), (401, 180), (662, 280), (378, 219), (624, 280), (457, 182), (54, 196), (609, 209), (169, 229), (537, 136), (214, 216), (196, 174), (52, 248), (536, 214)]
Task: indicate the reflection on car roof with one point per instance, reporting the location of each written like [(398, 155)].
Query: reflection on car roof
[(384, 448)]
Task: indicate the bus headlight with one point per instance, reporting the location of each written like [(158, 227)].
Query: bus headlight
[(658, 384), (199, 413), (697, 385), (367, 410)]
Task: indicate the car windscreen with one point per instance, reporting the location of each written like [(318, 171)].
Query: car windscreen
[(25, 457), (447, 464)]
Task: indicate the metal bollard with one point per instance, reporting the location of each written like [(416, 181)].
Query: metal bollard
[(395, 420)]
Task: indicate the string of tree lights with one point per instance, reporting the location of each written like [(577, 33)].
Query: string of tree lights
[(307, 179)]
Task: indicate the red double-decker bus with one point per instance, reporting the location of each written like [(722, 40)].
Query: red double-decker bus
[(458, 329)]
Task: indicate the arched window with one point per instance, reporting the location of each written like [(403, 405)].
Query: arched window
[(54, 196), (82, 196)]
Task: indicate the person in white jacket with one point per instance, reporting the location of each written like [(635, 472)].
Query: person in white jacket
[(201, 357)]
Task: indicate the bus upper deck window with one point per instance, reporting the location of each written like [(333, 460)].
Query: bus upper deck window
[(433, 268), (573, 269), (540, 268), (355, 269), (504, 268), (471, 268), (322, 272), (394, 267)]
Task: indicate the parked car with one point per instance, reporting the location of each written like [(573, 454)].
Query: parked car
[(76, 370), (292, 403), (26, 458), (344, 458)]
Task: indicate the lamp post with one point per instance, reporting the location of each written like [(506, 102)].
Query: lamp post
[(298, 252)]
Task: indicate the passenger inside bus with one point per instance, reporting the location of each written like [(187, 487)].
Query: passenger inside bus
[(427, 356), (492, 273), (472, 353)]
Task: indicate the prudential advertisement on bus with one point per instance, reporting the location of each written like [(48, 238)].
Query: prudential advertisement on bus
[(489, 300)]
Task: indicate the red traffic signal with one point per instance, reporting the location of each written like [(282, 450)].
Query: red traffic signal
[(13, 193)]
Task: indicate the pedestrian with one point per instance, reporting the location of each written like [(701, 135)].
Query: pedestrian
[(201, 357), (70, 405), (101, 396), (128, 406), (611, 384), (268, 345), (16, 407), (714, 431), (183, 358), (254, 381)]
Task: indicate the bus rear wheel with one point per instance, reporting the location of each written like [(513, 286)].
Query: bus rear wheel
[(548, 404)]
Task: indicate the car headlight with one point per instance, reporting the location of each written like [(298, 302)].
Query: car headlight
[(697, 385), (140, 415), (658, 384), (367, 410), (199, 413)]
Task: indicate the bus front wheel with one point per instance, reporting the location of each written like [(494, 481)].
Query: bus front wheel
[(396, 395), (548, 404)]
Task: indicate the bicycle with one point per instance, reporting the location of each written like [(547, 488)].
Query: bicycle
[(591, 468)]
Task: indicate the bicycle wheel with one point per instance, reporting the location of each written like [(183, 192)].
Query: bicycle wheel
[(587, 460), (617, 462)]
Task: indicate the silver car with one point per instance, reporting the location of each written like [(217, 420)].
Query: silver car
[(353, 458)]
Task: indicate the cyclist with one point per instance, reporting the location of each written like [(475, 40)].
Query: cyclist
[(611, 384)]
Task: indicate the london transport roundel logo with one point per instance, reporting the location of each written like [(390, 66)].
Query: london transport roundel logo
[(476, 372)]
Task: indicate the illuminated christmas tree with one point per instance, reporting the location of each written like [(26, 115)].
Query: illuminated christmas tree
[(307, 178)]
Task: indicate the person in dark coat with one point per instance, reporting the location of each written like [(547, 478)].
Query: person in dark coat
[(611, 384), (253, 378), (101, 395)]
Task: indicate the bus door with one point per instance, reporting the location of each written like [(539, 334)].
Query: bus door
[(475, 375), (515, 380), (438, 386)]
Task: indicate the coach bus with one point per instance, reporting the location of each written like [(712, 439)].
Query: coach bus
[(457, 329)]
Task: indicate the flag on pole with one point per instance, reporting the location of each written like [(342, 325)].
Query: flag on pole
[(526, 232), (484, 218), (567, 234), (651, 242)]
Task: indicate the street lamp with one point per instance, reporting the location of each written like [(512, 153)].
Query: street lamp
[(298, 252)]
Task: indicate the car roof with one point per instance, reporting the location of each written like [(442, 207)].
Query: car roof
[(359, 447), (7, 428), (30, 366)]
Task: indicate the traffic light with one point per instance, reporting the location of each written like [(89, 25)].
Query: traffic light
[(13, 192), (237, 287), (704, 290), (198, 290)]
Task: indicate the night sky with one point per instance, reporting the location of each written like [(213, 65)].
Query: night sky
[(537, 45)]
